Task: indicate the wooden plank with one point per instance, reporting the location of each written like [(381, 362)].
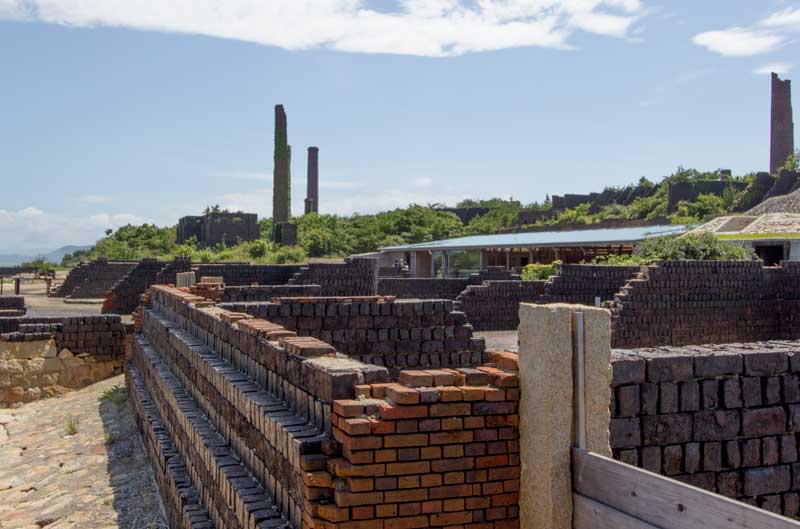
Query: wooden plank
[(590, 514), (664, 502)]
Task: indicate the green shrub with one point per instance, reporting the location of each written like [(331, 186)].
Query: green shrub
[(290, 255), (695, 247), (539, 272)]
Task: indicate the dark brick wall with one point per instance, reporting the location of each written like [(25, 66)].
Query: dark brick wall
[(357, 276), (413, 288), (123, 298), (575, 283), (494, 305), (396, 334), (94, 279), (268, 292), (12, 303), (102, 337), (243, 274), (723, 418), (696, 302)]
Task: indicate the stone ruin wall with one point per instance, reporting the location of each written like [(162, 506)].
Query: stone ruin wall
[(723, 418), (397, 334), (494, 305), (418, 288), (43, 357), (277, 431), (267, 292), (357, 276)]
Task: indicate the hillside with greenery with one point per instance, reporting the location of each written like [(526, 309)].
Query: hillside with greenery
[(334, 235)]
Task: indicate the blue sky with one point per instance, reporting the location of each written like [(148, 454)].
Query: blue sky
[(114, 111)]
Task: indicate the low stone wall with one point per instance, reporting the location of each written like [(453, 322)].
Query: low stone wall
[(11, 306), (414, 288), (268, 292), (42, 359), (397, 334), (723, 418), (579, 283), (494, 305)]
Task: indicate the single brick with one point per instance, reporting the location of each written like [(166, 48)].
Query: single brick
[(763, 421), (766, 480)]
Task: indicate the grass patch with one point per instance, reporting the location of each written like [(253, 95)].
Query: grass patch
[(110, 438), (117, 396), (71, 427), (756, 236)]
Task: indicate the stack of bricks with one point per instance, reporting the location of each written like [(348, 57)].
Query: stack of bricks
[(696, 302), (28, 332), (268, 292), (439, 448), (357, 276), (241, 274), (12, 306), (125, 296), (100, 336), (414, 288), (578, 283), (210, 288), (494, 305), (790, 299), (93, 279), (724, 418), (250, 425), (379, 330)]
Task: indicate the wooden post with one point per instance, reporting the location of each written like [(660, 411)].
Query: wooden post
[(17, 284)]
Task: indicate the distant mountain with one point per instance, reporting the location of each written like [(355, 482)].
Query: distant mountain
[(51, 256)]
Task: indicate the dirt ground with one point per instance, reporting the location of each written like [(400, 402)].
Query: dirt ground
[(505, 340), (40, 305), (76, 461)]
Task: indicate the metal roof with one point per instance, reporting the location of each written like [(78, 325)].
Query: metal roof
[(597, 237)]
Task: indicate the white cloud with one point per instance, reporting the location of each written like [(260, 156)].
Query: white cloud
[(35, 228), (738, 42), (786, 18), (94, 199), (780, 68), (433, 28), (423, 181)]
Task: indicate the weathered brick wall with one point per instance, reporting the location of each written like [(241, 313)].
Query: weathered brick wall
[(123, 298), (382, 331), (357, 276), (437, 449), (93, 279), (696, 302), (11, 306), (414, 288), (268, 292), (243, 274), (578, 283), (494, 305), (724, 418), (273, 429), (493, 273)]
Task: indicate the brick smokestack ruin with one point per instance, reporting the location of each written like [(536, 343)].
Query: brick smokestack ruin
[(781, 140), (312, 193), (281, 178)]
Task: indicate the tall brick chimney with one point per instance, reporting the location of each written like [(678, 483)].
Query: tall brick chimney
[(781, 138), (312, 193), (281, 179)]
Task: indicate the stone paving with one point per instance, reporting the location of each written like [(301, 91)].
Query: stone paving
[(76, 461)]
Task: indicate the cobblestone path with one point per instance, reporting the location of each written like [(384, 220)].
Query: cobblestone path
[(76, 461)]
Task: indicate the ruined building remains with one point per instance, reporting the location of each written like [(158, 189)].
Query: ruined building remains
[(312, 192), (219, 227), (781, 144)]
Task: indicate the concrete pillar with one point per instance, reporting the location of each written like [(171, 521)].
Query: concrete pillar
[(17, 284), (781, 135), (484, 260), (508, 260), (312, 190), (548, 408)]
